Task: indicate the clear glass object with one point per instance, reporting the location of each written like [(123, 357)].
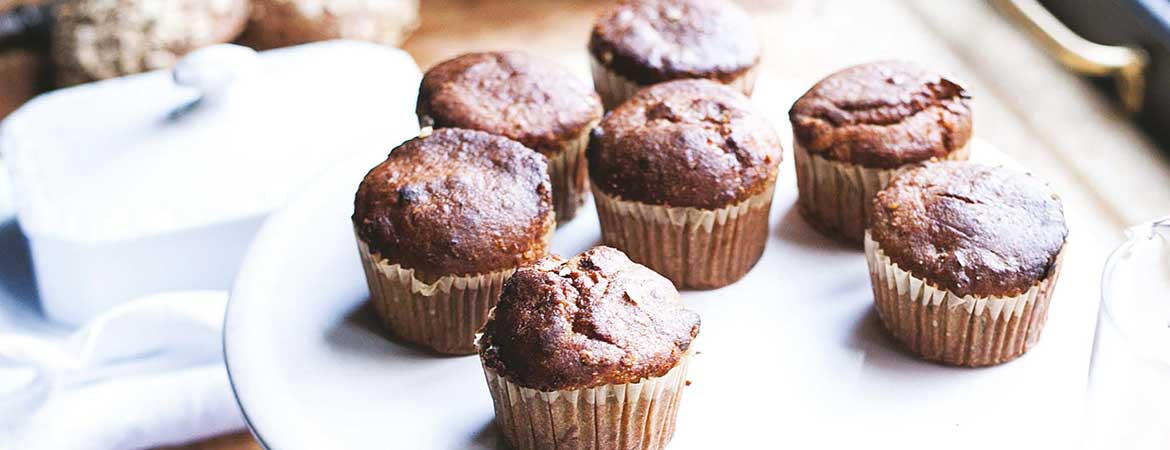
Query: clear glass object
[(1129, 377)]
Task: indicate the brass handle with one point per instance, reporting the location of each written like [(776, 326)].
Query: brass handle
[(1127, 65)]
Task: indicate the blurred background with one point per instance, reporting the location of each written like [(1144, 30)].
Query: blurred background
[(1078, 91), (1081, 131)]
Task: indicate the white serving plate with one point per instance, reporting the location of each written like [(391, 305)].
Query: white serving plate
[(791, 356)]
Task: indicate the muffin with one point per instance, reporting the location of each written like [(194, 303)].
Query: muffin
[(589, 353), (283, 23), (853, 130), (963, 259), (99, 39), (511, 94), (441, 224), (683, 175), (637, 43)]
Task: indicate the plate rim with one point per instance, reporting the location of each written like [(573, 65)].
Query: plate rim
[(319, 186)]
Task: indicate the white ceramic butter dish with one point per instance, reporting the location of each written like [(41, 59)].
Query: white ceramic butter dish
[(158, 181)]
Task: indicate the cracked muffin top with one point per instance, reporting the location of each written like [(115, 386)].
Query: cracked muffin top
[(593, 320), (457, 202), (969, 228), (687, 143), (510, 94), (882, 115), (651, 41)]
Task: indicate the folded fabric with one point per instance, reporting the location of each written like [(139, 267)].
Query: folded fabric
[(5, 192), (145, 374)]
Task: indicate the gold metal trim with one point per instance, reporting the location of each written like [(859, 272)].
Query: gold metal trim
[(1127, 65)]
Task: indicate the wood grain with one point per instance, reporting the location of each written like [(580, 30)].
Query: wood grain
[(10, 4), (234, 441), (21, 73)]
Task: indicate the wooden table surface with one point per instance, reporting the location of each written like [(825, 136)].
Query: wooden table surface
[(1055, 124)]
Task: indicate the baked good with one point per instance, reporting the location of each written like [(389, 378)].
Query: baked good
[(636, 43), (441, 224), (520, 97), (587, 353), (854, 129), (683, 175), (99, 39), (284, 23), (964, 258)]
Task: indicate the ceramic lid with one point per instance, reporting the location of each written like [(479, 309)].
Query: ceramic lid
[(227, 135)]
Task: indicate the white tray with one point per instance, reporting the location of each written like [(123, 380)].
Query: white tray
[(791, 356)]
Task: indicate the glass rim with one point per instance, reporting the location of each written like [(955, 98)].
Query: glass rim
[(1134, 236)]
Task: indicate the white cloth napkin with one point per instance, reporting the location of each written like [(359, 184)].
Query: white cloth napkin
[(6, 207), (145, 374)]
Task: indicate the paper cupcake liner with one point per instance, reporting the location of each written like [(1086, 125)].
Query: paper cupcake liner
[(941, 326), (615, 89), (567, 172), (443, 315), (695, 248), (836, 197), (634, 416)]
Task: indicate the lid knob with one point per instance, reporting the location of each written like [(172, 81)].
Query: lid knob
[(213, 69)]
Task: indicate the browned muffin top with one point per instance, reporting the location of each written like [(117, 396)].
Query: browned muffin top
[(650, 41), (596, 319), (510, 94), (883, 115), (970, 228), (456, 202), (692, 143)]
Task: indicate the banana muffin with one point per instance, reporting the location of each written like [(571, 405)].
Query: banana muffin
[(854, 129), (683, 175), (520, 97), (636, 43), (441, 224), (591, 352), (964, 258)]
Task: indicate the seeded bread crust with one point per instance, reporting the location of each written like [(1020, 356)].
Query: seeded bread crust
[(100, 39)]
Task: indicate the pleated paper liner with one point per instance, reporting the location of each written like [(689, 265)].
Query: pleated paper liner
[(695, 248), (836, 197), (615, 89), (567, 172), (941, 326), (443, 316), (634, 416)]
